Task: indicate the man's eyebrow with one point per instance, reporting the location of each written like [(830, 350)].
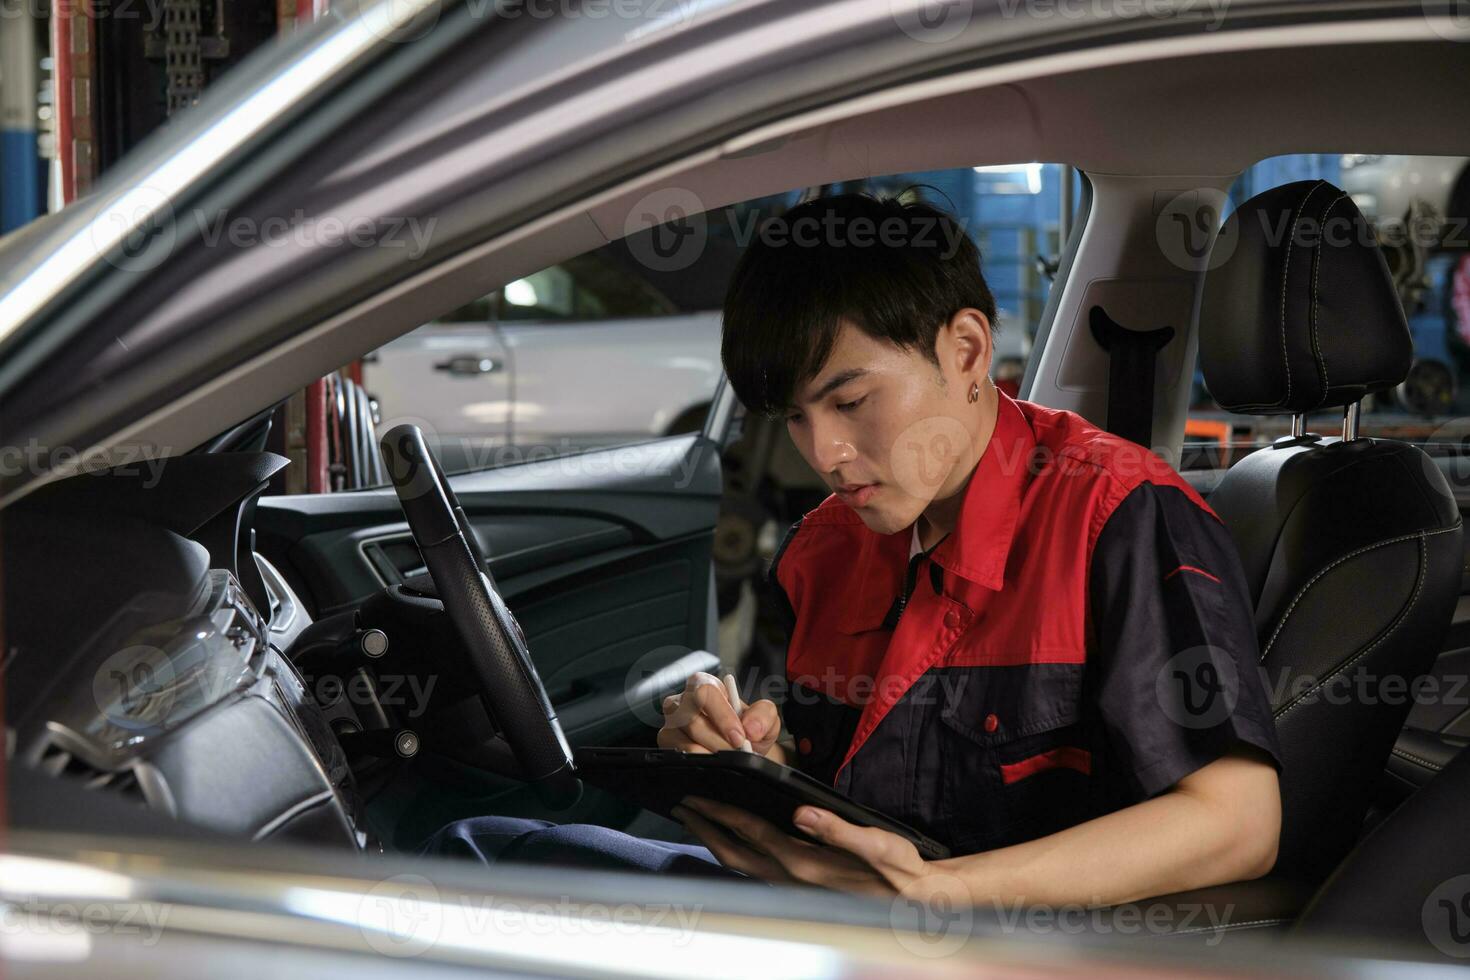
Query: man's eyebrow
[(835, 382)]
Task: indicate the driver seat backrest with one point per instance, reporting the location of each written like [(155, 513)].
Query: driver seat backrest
[(1351, 547)]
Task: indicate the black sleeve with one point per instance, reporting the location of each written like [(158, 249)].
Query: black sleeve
[(1176, 680), (785, 614)]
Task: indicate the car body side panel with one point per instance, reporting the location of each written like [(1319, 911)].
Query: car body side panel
[(455, 381), (580, 385)]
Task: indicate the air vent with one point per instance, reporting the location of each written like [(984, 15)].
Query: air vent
[(124, 782)]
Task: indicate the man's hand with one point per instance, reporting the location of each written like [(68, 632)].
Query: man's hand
[(1219, 824), (702, 720), (849, 858)]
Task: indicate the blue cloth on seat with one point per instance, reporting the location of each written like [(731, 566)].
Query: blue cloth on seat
[(524, 840)]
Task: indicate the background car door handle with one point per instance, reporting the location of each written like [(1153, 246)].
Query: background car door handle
[(469, 366)]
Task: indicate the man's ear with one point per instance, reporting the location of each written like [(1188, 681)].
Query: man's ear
[(973, 349)]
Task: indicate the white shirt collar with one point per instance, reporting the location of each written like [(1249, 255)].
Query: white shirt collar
[(914, 548)]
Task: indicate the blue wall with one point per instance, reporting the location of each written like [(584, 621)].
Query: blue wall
[(22, 183)]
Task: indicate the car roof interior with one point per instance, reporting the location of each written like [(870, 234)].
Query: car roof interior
[(1145, 121)]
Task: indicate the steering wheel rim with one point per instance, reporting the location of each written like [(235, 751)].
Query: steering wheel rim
[(494, 643)]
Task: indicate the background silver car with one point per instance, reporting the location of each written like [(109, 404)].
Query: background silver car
[(497, 379)]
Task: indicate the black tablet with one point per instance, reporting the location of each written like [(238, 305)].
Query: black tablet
[(657, 779)]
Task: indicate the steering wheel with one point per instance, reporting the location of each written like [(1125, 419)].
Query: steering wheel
[(493, 641)]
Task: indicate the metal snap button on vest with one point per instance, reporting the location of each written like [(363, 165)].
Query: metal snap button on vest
[(991, 723), (952, 619), (804, 746)]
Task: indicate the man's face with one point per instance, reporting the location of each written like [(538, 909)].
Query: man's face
[(887, 430)]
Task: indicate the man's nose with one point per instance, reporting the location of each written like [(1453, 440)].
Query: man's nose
[(830, 448)]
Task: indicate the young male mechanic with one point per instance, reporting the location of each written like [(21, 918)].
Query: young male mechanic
[(1017, 633)]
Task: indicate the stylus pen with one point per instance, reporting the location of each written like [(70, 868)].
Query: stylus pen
[(734, 695)]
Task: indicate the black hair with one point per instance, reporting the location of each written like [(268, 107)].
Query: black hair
[(896, 270)]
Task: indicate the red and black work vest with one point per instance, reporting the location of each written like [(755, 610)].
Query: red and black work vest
[(965, 691)]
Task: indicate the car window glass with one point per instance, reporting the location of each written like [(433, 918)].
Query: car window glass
[(590, 353), (621, 344)]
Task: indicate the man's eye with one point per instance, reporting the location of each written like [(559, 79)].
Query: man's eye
[(849, 406), (793, 419)]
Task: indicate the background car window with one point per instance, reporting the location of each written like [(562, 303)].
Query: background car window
[(550, 294), (589, 287), (1419, 207)]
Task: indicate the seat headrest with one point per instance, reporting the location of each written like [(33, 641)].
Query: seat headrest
[(1302, 313)]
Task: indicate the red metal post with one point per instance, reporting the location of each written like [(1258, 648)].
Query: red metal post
[(317, 457), (316, 437), (72, 40), (61, 14)]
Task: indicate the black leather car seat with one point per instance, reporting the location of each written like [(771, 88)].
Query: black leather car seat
[(1351, 546), (1408, 883), (1351, 549)]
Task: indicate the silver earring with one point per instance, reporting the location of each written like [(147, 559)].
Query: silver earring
[(974, 391)]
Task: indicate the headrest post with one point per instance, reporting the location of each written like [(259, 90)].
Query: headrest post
[(1350, 422), (1298, 426)]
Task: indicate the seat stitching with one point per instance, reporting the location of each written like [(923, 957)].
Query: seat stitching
[(1352, 554), (1403, 615), (1316, 268), (1414, 758), (1261, 407), (1286, 271), (1227, 926)]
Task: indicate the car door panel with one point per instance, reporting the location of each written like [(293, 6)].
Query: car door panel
[(604, 557), (344, 564)]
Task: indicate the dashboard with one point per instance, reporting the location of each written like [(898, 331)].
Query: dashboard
[(146, 653)]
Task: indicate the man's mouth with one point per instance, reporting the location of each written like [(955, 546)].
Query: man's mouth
[(856, 494)]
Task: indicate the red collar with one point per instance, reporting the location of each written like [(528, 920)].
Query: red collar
[(980, 543), (978, 546)]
